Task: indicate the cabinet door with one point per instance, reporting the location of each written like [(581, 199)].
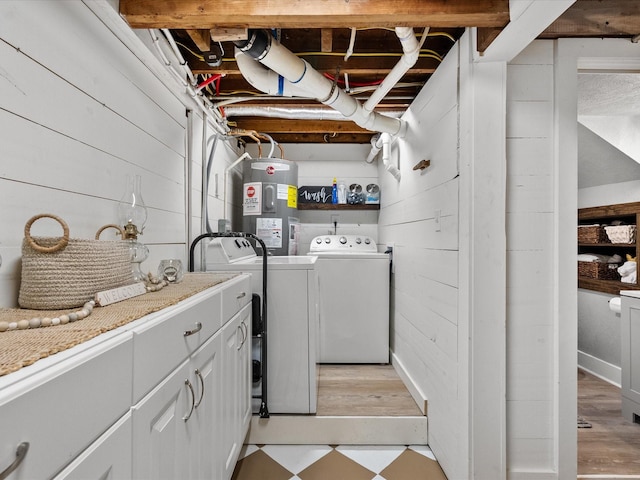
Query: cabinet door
[(108, 458), (232, 342), (206, 369), (161, 435), (246, 368), (631, 359)]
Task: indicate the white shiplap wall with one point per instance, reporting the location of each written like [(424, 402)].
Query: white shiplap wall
[(78, 112), (530, 259), (425, 281)]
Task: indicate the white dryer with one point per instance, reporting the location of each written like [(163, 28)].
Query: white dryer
[(292, 320), (353, 299)]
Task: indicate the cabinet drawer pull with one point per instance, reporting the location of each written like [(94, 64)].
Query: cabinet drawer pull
[(193, 400), (199, 374), (246, 332), (195, 330), (241, 295), (21, 452), (239, 327)]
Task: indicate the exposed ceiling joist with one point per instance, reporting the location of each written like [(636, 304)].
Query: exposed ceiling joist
[(320, 31), (204, 14), (597, 18)]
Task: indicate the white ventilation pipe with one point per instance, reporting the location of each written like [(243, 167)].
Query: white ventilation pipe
[(383, 142), (411, 48), (297, 75)]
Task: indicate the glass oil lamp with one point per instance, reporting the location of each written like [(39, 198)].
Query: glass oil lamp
[(132, 214)]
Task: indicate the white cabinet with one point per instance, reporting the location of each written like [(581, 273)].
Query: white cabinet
[(146, 401), (236, 383), (76, 399), (192, 425), (630, 318), (108, 458)]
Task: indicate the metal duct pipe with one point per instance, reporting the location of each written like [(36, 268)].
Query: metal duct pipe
[(295, 113), (295, 74)]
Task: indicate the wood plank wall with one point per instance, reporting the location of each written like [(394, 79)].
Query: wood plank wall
[(530, 262), (78, 112), (425, 282)]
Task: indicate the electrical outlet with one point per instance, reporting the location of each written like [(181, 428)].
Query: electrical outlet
[(437, 220)]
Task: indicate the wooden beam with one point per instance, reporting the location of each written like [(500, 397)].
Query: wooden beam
[(485, 36), (595, 18), (326, 42), (207, 14), (202, 39)]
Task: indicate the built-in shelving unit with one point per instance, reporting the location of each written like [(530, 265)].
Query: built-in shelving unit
[(334, 206), (629, 213)]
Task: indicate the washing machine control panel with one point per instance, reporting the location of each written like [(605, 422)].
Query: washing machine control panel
[(229, 250), (343, 243)]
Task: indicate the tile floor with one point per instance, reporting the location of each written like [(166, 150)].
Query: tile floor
[(326, 462)]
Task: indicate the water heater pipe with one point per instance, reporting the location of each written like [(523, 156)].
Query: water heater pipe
[(242, 157), (286, 73)]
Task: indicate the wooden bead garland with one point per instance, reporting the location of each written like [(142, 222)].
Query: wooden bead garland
[(37, 322)]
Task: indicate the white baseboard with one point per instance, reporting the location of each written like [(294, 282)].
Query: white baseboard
[(604, 370), (418, 395)]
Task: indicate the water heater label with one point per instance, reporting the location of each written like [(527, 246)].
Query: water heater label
[(252, 198), (292, 196), (270, 231)]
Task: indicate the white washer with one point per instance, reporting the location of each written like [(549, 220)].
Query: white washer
[(292, 320), (354, 299)]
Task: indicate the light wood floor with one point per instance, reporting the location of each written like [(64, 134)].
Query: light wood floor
[(363, 390), (612, 445)]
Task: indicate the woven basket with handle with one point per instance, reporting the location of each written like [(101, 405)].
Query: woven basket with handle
[(63, 272)]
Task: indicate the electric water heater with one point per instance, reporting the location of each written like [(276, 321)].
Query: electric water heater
[(269, 203)]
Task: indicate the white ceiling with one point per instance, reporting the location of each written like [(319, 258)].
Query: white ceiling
[(607, 95)]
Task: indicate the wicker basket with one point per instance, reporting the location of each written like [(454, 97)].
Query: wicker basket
[(600, 271), (61, 273), (592, 234), (621, 233)]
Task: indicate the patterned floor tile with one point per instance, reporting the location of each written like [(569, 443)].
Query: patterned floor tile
[(374, 457), (259, 465), (296, 458), (411, 465), (335, 465), (329, 462)]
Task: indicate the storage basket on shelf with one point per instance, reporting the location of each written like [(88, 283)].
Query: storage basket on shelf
[(592, 234), (599, 270), (63, 272), (621, 233)]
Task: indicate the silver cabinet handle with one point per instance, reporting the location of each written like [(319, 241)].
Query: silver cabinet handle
[(241, 295), (239, 327), (21, 452), (199, 374), (195, 330), (193, 400), (246, 332)]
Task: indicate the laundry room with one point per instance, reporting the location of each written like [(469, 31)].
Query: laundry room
[(423, 222)]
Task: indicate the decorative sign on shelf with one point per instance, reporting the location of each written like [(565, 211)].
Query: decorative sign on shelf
[(314, 194), (119, 294)]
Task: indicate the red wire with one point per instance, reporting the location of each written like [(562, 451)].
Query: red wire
[(212, 78), (353, 84)]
